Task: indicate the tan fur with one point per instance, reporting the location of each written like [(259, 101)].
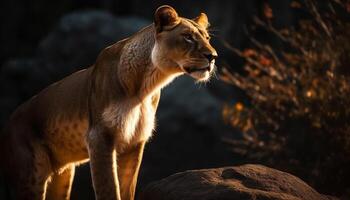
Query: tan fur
[(103, 114)]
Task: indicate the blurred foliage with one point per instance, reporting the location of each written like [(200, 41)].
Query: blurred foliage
[(298, 110)]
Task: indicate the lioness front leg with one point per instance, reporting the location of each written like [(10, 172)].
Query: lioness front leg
[(61, 184), (103, 164), (128, 169)]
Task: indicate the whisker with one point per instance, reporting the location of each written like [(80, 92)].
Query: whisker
[(214, 73), (198, 59), (213, 29)]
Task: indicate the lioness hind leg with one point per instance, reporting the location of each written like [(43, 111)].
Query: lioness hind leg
[(32, 171), (61, 184)]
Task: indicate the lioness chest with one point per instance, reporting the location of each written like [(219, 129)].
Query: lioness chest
[(130, 122)]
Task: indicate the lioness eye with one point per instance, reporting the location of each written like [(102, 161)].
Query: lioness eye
[(188, 38)]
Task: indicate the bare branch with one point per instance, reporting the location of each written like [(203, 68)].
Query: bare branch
[(271, 29), (268, 70), (318, 17), (268, 49)]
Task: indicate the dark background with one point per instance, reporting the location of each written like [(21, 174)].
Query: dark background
[(43, 41)]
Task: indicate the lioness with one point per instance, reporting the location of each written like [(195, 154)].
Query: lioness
[(103, 114)]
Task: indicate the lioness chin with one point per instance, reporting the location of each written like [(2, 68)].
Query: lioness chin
[(103, 114)]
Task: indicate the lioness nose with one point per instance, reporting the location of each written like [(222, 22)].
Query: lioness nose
[(211, 56)]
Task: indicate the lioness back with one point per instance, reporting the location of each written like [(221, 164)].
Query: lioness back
[(57, 116)]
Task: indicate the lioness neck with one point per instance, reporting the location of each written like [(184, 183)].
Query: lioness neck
[(137, 72)]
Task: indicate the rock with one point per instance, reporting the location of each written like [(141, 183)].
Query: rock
[(246, 182), (79, 37)]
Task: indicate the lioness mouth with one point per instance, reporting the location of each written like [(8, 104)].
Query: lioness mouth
[(193, 69)]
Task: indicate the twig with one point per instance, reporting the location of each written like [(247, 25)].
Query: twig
[(268, 49), (272, 73), (318, 17), (271, 29)]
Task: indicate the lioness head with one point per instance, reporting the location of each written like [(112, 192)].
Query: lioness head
[(182, 45)]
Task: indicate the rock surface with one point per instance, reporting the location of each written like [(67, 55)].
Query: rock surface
[(246, 182)]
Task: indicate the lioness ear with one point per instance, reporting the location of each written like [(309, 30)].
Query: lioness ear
[(165, 17), (202, 20)]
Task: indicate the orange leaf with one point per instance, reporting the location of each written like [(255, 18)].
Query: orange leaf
[(249, 52), (295, 4), (265, 61), (268, 11), (239, 106)]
